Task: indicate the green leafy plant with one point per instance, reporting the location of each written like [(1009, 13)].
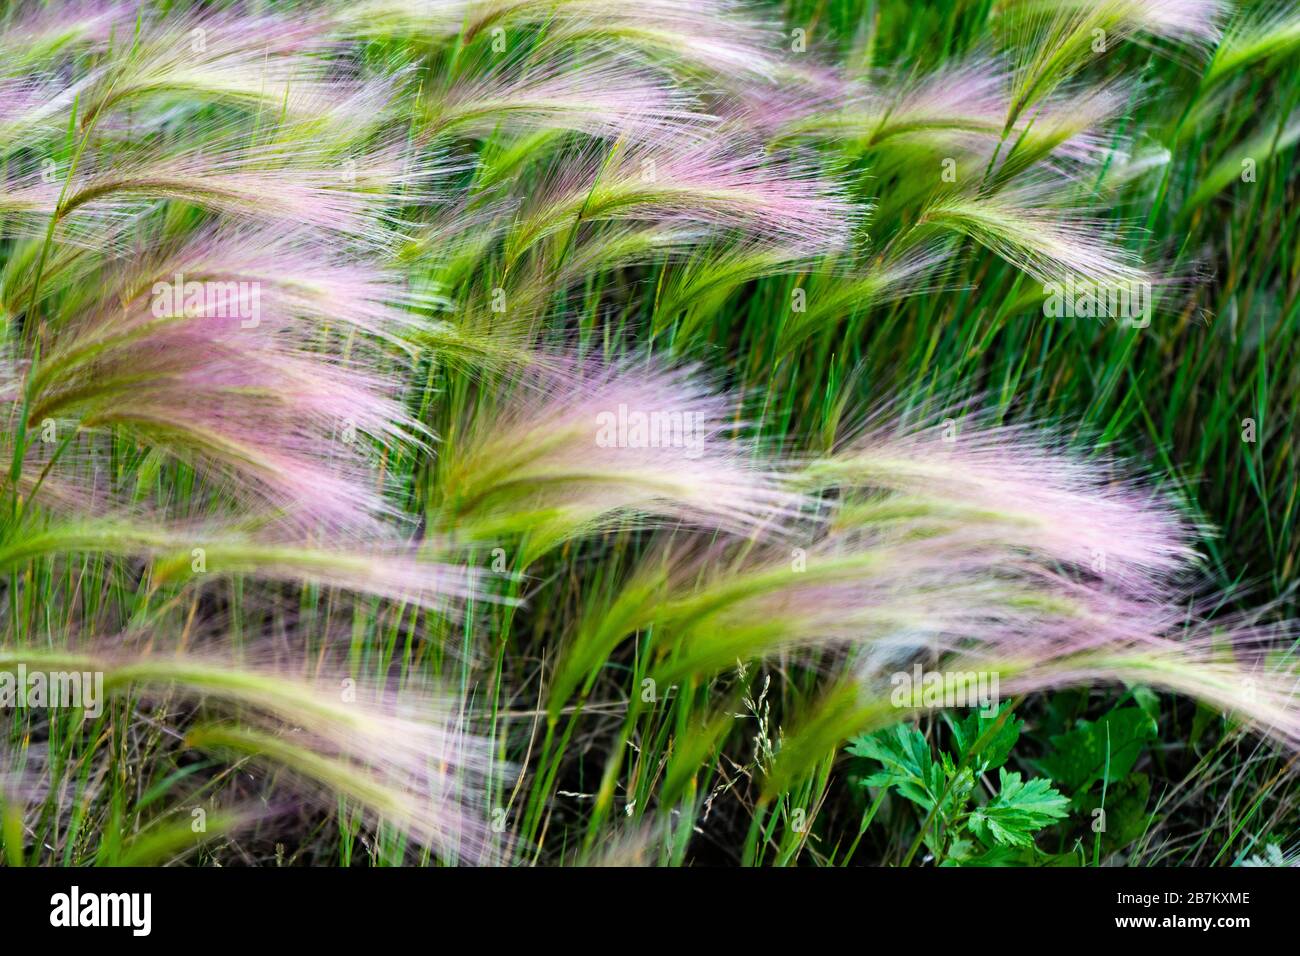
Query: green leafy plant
[(965, 820), (1094, 762)]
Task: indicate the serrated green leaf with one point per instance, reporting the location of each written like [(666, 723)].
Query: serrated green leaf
[(991, 752), (1080, 757), (1018, 811), (905, 756)]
